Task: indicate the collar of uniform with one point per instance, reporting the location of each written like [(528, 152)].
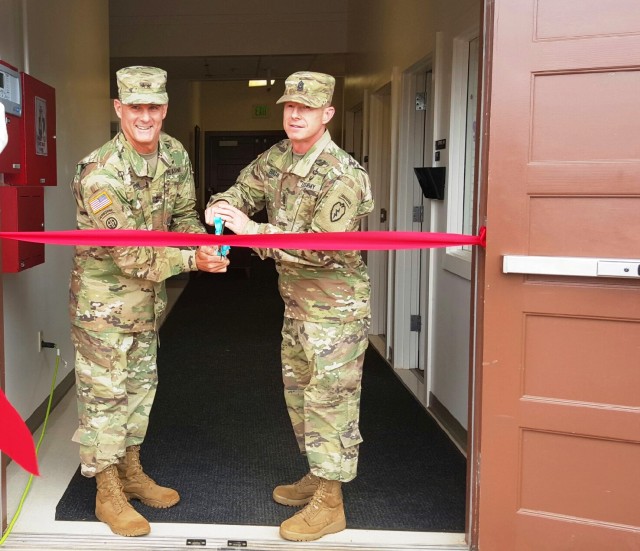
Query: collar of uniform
[(135, 160), (304, 165)]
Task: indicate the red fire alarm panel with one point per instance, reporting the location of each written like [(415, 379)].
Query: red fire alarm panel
[(11, 98), (38, 155), (21, 209)]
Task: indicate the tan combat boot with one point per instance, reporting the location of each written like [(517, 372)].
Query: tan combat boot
[(323, 515), (138, 485), (298, 493), (113, 509)]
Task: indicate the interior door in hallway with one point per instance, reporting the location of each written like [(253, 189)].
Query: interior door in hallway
[(560, 414), (226, 154)]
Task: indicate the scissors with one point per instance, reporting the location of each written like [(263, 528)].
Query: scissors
[(218, 226)]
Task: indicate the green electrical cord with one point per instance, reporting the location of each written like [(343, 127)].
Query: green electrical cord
[(44, 428)]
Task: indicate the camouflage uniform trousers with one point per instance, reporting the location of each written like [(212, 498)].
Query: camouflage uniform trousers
[(116, 381), (322, 375)]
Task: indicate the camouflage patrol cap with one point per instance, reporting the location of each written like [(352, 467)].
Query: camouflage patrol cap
[(139, 84), (312, 89)]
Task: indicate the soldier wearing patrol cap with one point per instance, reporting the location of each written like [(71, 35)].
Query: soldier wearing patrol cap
[(308, 184), (141, 179)]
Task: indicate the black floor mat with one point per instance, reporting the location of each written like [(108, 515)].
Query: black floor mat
[(219, 432)]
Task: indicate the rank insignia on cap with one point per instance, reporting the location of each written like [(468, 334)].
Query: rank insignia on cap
[(140, 84), (99, 202), (309, 88)]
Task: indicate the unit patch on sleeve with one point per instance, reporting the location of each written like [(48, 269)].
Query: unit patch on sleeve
[(99, 201), (111, 223), (337, 211)]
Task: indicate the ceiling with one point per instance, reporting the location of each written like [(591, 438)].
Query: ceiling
[(242, 67), (252, 39)]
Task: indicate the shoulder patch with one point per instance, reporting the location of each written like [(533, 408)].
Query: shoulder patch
[(337, 211), (99, 201)]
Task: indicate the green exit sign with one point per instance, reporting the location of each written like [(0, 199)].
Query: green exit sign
[(260, 111)]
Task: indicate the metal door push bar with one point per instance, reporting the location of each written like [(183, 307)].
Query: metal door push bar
[(571, 266)]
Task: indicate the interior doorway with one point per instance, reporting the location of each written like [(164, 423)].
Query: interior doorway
[(412, 279), (226, 154)]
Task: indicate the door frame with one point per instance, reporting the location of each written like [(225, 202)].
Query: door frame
[(481, 190), (379, 166), (406, 344)]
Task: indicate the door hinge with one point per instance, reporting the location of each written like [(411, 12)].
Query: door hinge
[(421, 101), (418, 214), (416, 323), (383, 216)]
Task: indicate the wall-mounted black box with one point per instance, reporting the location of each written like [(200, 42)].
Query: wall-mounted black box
[(431, 180)]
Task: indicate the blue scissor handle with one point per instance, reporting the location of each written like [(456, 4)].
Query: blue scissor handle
[(218, 226)]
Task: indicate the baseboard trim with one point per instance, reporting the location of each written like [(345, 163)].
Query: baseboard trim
[(448, 422)]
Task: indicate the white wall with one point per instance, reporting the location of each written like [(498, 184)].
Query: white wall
[(388, 35), (66, 45)]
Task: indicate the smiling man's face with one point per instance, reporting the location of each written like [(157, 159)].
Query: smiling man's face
[(141, 124)]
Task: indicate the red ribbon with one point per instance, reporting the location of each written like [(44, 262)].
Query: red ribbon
[(15, 438), (330, 241)]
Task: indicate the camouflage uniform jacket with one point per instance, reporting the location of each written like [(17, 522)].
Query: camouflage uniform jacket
[(324, 191), (121, 289)]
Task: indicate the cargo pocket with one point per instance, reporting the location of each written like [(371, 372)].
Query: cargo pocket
[(351, 436), (92, 348), (85, 436)]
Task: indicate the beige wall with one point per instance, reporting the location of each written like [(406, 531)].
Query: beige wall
[(388, 33), (384, 34), (65, 44), (229, 106)]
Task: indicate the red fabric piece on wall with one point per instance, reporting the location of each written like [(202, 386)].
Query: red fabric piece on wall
[(15, 438)]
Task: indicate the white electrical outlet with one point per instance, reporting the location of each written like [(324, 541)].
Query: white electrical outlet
[(40, 339)]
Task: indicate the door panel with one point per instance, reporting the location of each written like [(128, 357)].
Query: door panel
[(560, 412)]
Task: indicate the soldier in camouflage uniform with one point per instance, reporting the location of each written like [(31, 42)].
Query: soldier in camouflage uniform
[(308, 184), (141, 179)]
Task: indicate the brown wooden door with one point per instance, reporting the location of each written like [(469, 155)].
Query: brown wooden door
[(559, 459)]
